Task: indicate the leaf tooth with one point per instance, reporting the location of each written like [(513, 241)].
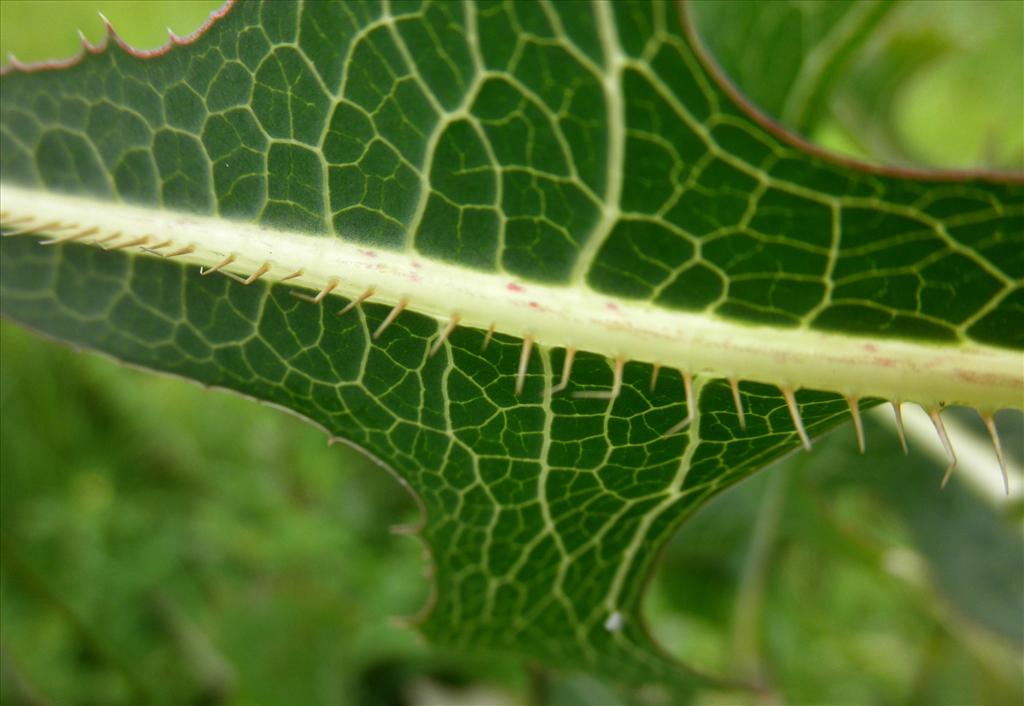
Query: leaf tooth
[(940, 428), (262, 270), (114, 236), (794, 413), (135, 241), (654, 375), (231, 275), (488, 337), (734, 385), (858, 423), (48, 226), (404, 529), (690, 405), (452, 323), (77, 235), (897, 410), (327, 289), (993, 434), (223, 263), (293, 275), (14, 221), (187, 250), (160, 245), (620, 362), (570, 356), (389, 319), (524, 361), (355, 302)]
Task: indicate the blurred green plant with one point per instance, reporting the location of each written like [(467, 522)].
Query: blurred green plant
[(267, 578)]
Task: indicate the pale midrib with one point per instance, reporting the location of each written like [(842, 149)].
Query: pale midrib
[(929, 374)]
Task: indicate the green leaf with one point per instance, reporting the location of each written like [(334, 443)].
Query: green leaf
[(505, 184), (787, 56), (879, 79)]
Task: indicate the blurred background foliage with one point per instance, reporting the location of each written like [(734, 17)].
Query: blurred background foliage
[(160, 543)]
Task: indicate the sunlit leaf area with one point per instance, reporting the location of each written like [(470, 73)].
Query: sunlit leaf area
[(164, 543)]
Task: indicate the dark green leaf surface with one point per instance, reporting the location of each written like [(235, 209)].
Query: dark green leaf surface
[(543, 514), (560, 143), (486, 138)]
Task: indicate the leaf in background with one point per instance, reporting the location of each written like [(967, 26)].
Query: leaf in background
[(788, 56), (901, 590), (983, 583), (879, 80), (941, 84), (569, 174)]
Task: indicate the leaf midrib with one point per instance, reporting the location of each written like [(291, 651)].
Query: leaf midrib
[(700, 343)]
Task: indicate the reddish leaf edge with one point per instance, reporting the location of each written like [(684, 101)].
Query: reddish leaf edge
[(12, 64), (704, 55)]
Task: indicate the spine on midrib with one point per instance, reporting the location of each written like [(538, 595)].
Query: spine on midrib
[(702, 344)]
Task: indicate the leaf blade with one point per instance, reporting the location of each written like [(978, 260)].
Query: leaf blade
[(486, 464)]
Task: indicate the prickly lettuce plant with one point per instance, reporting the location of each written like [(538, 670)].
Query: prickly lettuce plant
[(540, 260)]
